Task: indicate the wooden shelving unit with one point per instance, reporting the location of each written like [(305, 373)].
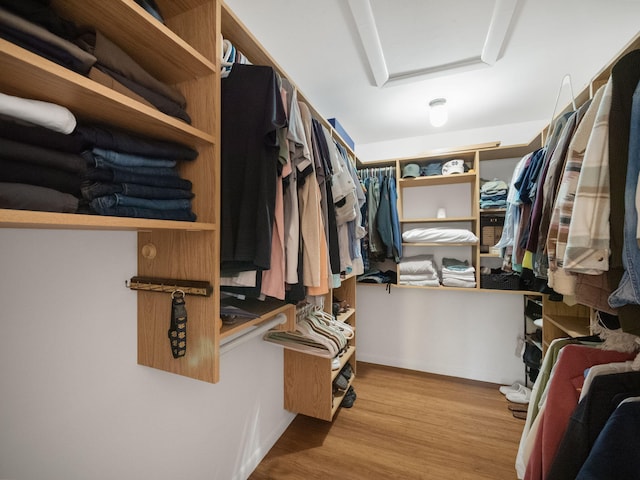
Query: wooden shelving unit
[(184, 53), (308, 379), (561, 320)]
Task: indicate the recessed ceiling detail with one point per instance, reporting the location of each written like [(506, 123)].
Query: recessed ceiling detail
[(430, 33)]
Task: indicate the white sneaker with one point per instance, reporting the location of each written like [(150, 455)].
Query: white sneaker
[(510, 388), (523, 395), (335, 364)]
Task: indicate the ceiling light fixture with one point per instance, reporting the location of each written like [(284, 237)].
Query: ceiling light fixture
[(438, 114)]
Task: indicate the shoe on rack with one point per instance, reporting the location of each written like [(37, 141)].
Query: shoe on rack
[(349, 398), (341, 382), (523, 395), (335, 364), (347, 371), (510, 388)]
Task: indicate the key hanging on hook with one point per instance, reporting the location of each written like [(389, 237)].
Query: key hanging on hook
[(178, 328)]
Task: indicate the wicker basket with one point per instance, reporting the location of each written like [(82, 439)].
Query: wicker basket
[(500, 281)]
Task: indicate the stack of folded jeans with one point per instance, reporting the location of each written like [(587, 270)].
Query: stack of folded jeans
[(131, 176), (40, 163), (493, 194)]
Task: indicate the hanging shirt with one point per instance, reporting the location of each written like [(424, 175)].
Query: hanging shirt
[(252, 112)]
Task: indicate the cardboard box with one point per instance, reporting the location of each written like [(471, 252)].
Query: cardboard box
[(341, 131)]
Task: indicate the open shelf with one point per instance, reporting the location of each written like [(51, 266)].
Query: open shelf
[(438, 180)]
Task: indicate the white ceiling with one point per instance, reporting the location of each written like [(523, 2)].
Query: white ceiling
[(317, 43)]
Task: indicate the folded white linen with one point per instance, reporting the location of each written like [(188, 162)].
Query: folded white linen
[(453, 282), (422, 283), (439, 235), (458, 271), (417, 264), (418, 277)]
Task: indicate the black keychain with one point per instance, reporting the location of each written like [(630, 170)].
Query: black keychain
[(178, 328)]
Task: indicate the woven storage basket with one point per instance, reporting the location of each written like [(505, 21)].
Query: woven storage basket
[(500, 281)]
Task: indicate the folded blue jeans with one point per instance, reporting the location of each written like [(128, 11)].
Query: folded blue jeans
[(100, 162), (132, 160), (91, 190), (119, 200), (121, 176), (137, 212)]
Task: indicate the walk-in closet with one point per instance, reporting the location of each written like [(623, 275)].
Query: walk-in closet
[(288, 240)]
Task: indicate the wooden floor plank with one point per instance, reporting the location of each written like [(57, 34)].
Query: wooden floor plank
[(404, 425)]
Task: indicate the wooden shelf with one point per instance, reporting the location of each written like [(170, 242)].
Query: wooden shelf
[(309, 378), (88, 99), (153, 45), (572, 326), (344, 317), (65, 221), (440, 244), (438, 180), (439, 220), (309, 383)]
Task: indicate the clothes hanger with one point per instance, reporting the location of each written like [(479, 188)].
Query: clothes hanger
[(566, 80), (228, 57)]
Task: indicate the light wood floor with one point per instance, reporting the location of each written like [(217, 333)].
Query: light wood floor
[(403, 425)]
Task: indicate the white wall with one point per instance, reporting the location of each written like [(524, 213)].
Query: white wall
[(514, 134), (462, 334), (73, 402)]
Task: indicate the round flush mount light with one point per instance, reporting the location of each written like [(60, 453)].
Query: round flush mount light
[(438, 114)]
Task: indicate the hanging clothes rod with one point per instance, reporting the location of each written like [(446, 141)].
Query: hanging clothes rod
[(226, 347), (168, 285)]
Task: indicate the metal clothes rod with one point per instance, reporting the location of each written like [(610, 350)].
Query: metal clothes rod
[(168, 285), (259, 330)]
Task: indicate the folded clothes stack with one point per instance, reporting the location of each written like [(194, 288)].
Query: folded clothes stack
[(458, 273), (493, 194), (35, 26), (50, 163), (40, 163), (132, 176), (419, 271)]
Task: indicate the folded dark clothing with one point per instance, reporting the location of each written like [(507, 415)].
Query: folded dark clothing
[(112, 139), (19, 172), (40, 136), (21, 196), (135, 212), (39, 40), (110, 82), (118, 176), (91, 190), (162, 103), (45, 50), (116, 59), (41, 13), (31, 154)]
